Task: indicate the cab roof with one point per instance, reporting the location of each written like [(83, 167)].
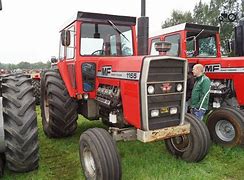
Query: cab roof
[(101, 18), (188, 27)]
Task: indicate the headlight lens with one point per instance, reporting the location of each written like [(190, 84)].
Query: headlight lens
[(155, 113), (179, 87), (173, 110), (85, 96), (150, 89)]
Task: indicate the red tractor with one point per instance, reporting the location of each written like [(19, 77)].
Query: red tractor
[(18, 123), (201, 44), (100, 76)]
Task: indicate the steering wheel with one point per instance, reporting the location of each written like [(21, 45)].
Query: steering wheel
[(98, 52)]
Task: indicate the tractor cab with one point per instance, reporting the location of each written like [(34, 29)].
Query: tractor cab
[(98, 35), (189, 41)]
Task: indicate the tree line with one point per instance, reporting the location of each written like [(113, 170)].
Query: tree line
[(208, 14), (26, 65)]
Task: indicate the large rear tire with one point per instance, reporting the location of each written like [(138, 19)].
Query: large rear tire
[(226, 126), (20, 123), (99, 156), (58, 109), (194, 146), (37, 90)]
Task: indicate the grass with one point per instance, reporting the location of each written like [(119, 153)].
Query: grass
[(59, 159)]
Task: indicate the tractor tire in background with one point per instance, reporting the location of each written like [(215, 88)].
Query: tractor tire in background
[(99, 156), (192, 147), (2, 164), (36, 83), (20, 123), (226, 126), (58, 109)]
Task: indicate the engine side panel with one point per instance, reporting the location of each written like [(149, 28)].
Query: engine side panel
[(131, 102)]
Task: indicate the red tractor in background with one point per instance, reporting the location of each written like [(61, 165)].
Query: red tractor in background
[(100, 76), (18, 123), (201, 44)]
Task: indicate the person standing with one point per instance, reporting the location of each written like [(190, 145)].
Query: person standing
[(200, 92), (189, 87)]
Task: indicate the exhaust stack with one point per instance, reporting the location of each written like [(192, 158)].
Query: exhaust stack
[(142, 29)]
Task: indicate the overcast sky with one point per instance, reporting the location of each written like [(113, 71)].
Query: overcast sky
[(29, 28)]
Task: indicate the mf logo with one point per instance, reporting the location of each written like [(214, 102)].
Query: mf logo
[(212, 67), (106, 70)]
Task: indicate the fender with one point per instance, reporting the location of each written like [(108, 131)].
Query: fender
[(68, 76)]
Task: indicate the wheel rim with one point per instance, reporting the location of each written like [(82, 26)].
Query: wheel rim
[(46, 107), (225, 130), (180, 143), (89, 163)]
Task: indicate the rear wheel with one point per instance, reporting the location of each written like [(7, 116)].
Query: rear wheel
[(58, 109), (37, 89), (226, 126), (192, 147), (20, 123), (2, 163), (98, 155)]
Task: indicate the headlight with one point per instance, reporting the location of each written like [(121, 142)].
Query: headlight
[(150, 89), (173, 110), (155, 113), (85, 96), (179, 87)]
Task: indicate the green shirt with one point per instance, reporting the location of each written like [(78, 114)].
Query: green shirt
[(200, 93)]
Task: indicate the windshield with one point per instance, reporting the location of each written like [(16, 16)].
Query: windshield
[(106, 40), (203, 45)]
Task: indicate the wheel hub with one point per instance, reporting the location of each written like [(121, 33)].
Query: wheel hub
[(180, 143), (89, 163), (225, 130)]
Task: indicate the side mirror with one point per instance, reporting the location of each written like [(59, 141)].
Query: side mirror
[(162, 46), (0, 5), (54, 59), (65, 37)]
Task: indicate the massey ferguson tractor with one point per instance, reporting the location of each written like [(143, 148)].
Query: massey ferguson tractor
[(100, 76), (201, 44), (18, 124)]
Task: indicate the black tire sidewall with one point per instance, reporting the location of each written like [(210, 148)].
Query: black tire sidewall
[(232, 117), (86, 142)]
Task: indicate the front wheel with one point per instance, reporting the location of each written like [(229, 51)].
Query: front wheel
[(98, 155), (58, 109), (226, 126), (192, 147)]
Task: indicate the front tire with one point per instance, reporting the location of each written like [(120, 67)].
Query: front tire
[(98, 155), (58, 109), (226, 126), (192, 147), (20, 123)]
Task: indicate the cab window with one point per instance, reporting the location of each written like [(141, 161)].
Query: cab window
[(68, 51), (201, 44), (175, 41), (106, 40)]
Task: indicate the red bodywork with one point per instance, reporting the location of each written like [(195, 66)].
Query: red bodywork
[(227, 67), (71, 73), (129, 88)]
